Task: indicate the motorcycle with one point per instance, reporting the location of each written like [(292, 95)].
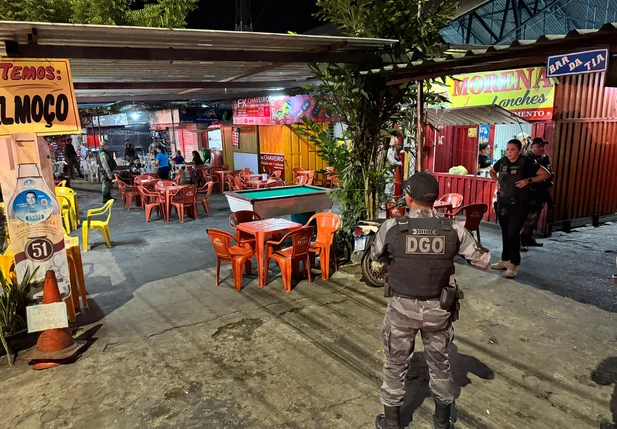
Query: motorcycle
[(364, 232)]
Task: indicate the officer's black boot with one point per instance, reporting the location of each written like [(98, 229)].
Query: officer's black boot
[(441, 420), (390, 419), (531, 242), (524, 243), (608, 424)]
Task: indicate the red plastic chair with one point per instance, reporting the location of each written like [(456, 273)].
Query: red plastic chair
[(473, 217), (127, 193), (178, 179), (301, 180), (185, 199), (207, 190), (150, 201), (394, 212), (289, 258), (239, 255), (274, 184), (162, 183), (456, 200), (327, 226), (276, 174), (242, 216), (141, 177)]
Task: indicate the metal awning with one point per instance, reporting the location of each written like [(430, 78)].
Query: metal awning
[(119, 63), (520, 53), (439, 117)]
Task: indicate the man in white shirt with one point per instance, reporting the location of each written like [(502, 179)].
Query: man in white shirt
[(392, 161)]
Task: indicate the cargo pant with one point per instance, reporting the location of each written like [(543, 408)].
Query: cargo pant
[(106, 188), (404, 318)]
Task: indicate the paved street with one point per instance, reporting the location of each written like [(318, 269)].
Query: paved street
[(169, 349)]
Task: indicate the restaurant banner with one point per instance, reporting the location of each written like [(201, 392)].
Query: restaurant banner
[(200, 115), (290, 110), (271, 162), (33, 214), (527, 92), (37, 96), (235, 137), (252, 111)]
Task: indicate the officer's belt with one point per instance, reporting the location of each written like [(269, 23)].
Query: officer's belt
[(419, 298)]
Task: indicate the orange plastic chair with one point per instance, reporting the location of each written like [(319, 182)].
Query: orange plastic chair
[(239, 255), (207, 190), (137, 179), (242, 216), (456, 200), (327, 226), (185, 199), (150, 201), (178, 179), (473, 217), (301, 180), (289, 258), (274, 184), (276, 174), (394, 212), (127, 193)]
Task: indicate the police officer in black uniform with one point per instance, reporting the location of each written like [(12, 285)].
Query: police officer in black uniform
[(514, 174), (419, 249), (539, 193)]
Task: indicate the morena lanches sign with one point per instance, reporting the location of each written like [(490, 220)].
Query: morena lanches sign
[(527, 92)]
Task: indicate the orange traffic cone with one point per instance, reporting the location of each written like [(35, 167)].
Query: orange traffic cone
[(54, 346)]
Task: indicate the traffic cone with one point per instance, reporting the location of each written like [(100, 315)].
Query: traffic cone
[(54, 346)]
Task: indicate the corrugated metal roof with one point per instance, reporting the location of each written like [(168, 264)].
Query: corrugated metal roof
[(439, 117), (107, 55), (520, 53)]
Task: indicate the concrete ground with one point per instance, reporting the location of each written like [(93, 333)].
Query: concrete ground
[(169, 349)]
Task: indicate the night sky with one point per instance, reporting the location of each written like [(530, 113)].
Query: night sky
[(277, 16)]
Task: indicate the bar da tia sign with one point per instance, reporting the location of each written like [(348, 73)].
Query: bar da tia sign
[(577, 63)]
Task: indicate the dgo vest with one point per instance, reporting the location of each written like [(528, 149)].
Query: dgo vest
[(423, 258), (110, 160), (508, 176)]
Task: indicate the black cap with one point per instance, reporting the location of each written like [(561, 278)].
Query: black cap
[(422, 187), (538, 140)]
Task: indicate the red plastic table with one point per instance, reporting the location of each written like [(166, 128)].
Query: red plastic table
[(167, 191), (260, 229)]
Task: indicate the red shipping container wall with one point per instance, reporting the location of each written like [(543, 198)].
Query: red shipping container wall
[(585, 149), (465, 151)]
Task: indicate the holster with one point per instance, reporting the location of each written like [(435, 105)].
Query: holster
[(449, 301)]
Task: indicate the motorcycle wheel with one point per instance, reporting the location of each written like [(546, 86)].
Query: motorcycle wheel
[(373, 272), (342, 250)]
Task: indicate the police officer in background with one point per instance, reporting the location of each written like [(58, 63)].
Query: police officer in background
[(513, 174), (107, 164), (420, 250), (539, 193)]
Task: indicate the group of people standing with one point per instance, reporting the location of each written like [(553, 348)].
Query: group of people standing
[(523, 184)]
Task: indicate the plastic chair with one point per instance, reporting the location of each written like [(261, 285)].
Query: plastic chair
[(185, 199), (242, 216), (150, 201), (289, 258), (239, 255), (61, 184), (7, 264), (473, 217), (162, 183), (327, 226), (178, 179), (301, 180), (274, 184), (74, 206), (127, 193), (207, 190), (101, 225), (276, 174), (456, 200), (65, 210), (394, 212)]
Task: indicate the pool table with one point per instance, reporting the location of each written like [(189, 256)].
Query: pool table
[(280, 201)]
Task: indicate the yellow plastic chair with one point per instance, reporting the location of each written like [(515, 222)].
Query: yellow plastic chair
[(101, 225), (7, 263), (72, 196), (67, 216), (61, 184)]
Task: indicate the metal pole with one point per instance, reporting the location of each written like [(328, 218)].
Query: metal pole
[(173, 131), (259, 168), (98, 118), (420, 128)]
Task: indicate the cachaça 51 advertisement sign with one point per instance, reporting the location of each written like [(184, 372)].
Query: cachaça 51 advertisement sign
[(37, 96), (526, 92)]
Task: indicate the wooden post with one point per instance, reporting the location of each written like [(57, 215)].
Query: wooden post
[(173, 133), (420, 127)]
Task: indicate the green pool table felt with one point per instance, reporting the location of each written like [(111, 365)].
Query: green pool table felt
[(278, 192)]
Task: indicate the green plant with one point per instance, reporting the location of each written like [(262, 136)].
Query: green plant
[(363, 101), (13, 302)]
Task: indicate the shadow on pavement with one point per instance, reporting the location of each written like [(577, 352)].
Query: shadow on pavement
[(417, 383), (605, 375)]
